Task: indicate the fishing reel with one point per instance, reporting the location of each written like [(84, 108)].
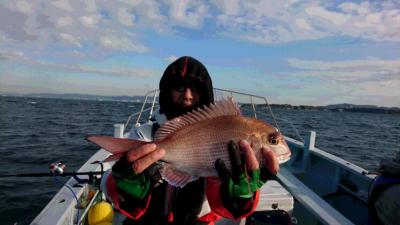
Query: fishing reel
[(57, 168)]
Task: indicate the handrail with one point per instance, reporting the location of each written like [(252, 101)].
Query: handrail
[(252, 103), (142, 110), (251, 99)]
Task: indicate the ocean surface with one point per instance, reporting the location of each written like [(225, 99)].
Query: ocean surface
[(35, 132)]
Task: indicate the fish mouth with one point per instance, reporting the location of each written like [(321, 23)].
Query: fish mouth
[(284, 158)]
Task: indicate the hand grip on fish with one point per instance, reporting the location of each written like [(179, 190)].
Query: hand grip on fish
[(245, 176), (194, 141)]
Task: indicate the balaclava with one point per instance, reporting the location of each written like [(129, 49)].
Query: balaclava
[(187, 72)]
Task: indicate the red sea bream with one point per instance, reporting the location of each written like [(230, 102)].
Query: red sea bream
[(194, 141)]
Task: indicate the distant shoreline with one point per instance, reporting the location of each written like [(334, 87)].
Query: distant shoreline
[(139, 99), (80, 97), (343, 108)]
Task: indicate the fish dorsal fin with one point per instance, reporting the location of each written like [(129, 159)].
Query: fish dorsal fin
[(225, 107)]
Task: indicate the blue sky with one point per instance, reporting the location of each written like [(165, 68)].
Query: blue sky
[(296, 52)]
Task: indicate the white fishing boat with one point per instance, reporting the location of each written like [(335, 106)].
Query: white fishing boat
[(314, 187)]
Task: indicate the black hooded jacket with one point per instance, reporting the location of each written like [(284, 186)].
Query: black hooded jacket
[(186, 202), (183, 204)]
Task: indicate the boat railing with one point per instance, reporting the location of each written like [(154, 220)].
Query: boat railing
[(251, 105), (153, 106)]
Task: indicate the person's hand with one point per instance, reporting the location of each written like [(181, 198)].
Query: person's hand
[(128, 170), (246, 177)]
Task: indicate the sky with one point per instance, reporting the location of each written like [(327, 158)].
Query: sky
[(291, 52)]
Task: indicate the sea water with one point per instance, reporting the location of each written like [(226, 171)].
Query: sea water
[(35, 132)]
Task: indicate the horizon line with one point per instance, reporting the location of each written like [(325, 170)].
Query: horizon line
[(2, 93)]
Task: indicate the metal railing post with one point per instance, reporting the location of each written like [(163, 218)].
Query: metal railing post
[(119, 130), (309, 143)]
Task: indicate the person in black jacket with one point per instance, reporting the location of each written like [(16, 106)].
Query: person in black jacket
[(134, 185)]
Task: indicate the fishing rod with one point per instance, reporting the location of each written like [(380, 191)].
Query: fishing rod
[(57, 170), (50, 174)]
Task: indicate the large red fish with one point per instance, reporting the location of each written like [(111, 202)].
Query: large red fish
[(194, 141)]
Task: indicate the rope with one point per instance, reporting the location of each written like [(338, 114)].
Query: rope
[(73, 193)]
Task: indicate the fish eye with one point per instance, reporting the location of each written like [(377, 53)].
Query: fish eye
[(273, 139)]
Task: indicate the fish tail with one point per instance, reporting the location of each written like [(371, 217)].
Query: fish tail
[(117, 146)]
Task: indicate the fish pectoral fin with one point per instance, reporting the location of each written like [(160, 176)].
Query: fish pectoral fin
[(176, 177)]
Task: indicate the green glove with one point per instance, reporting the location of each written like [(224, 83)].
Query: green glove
[(135, 185), (240, 183)]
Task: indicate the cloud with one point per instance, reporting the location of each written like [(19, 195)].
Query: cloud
[(115, 71), (125, 17), (24, 7), (13, 55), (268, 22), (69, 39), (57, 68), (302, 23), (171, 58), (62, 4), (350, 71), (386, 88), (12, 25), (349, 7), (91, 5), (90, 20), (262, 22), (122, 44), (190, 14), (333, 17), (64, 21), (371, 80), (280, 22), (229, 7), (327, 65)]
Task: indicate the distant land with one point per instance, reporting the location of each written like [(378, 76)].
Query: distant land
[(344, 107), (123, 98)]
